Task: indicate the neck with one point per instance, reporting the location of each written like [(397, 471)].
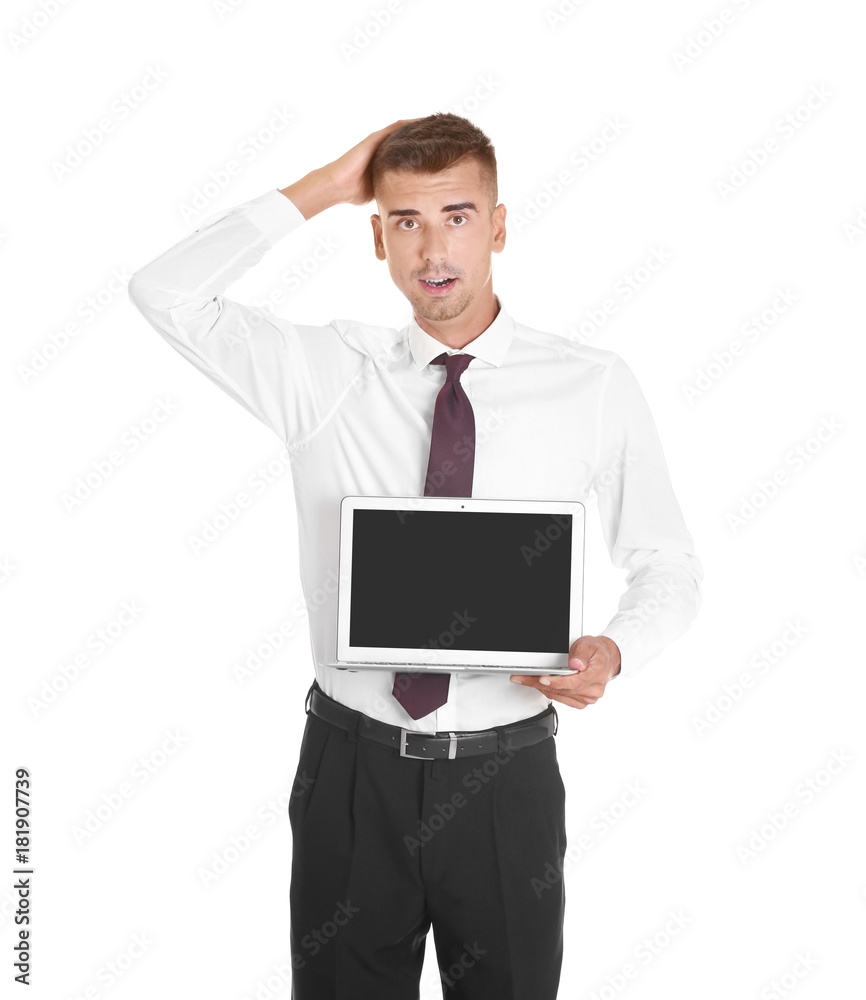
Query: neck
[(463, 329)]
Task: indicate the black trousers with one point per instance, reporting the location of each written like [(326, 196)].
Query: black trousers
[(385, 846)]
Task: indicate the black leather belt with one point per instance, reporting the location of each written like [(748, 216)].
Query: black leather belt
[(438, 745)]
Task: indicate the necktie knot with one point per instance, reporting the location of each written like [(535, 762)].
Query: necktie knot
[(455, 365)]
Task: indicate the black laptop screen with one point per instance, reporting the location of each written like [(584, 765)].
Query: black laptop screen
[(473, 580)]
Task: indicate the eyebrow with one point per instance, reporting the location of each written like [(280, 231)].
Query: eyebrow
[(448, 208)]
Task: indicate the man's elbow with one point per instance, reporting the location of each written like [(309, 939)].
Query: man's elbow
[(137, 290)]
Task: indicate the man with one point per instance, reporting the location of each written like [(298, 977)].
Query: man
[(389, 841)]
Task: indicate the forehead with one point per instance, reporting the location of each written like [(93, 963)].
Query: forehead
[(461, 182)]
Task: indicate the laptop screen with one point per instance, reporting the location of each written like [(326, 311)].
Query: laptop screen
[(473, 580)]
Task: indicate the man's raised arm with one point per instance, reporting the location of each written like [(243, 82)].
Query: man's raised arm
[(258, 358)]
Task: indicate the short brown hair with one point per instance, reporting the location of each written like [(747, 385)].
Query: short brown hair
[(435, 143)]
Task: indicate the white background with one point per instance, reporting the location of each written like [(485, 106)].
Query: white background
[(757, 902)]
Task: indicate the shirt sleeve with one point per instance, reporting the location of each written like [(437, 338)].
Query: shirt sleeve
[(643, 526), (255, 356)]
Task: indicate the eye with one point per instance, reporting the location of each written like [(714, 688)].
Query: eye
[(463, 217), (401, 226)]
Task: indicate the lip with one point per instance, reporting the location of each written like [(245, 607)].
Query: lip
[(444, 290)]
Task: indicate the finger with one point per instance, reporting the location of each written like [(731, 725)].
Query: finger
[(572, 702), (546, 680), (396, 124), (529, 680), (574, 680)]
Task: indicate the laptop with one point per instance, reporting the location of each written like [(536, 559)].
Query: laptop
[(459, 584)]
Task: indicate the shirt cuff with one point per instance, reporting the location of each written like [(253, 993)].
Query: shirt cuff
[(629, 649), (274, 215)]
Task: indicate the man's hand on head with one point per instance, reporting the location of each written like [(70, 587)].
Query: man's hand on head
[(595, 659), (349, 175), (346, 180)]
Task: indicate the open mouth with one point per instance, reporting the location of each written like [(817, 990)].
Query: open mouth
[(437, 284)]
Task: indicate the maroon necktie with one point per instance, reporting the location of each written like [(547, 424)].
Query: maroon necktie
[(453, 421)]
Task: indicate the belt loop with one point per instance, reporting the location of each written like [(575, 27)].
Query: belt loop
[(556, 719), (352, 731), (500, 730), (308, 700)]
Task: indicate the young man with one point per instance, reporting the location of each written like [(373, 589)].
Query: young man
[(389, 840)]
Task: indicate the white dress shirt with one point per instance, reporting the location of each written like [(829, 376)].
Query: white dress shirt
[(353, 403)]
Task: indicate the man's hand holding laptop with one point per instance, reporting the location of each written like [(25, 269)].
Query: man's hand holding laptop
[(595, 659)]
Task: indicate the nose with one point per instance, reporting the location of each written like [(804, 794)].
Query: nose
[(434, 246)]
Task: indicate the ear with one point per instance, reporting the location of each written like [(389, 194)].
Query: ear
[(498, 221), (378, 245)]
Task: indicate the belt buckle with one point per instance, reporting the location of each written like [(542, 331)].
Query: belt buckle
[(403, 751)]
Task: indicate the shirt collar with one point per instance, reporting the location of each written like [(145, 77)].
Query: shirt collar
[(489, 347)]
